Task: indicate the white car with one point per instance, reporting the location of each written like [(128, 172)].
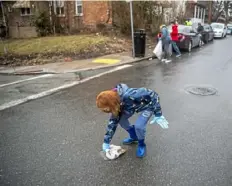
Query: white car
[(220, 30)]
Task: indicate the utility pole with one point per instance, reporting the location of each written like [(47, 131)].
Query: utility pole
[(132, 27)]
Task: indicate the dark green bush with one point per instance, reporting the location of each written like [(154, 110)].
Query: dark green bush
[(42, 24)]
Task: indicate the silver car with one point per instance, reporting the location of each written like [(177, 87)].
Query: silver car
[(229, 29)]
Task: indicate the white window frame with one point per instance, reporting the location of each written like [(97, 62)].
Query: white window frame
[(9, 8), (25, 14), (79, 3), (59, 4)]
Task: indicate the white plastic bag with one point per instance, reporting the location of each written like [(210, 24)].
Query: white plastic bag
[(158, 50), (113, 153)]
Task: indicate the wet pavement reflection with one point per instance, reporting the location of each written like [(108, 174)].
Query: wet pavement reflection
[(56, 140)]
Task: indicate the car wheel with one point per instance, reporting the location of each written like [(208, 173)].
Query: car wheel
[(190, 46), (207, 40), (200, 43)]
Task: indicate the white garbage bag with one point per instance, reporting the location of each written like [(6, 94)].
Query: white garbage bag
[(158, 50), (113, 153)]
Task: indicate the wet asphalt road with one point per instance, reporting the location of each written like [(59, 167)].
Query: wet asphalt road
[(56, 140)]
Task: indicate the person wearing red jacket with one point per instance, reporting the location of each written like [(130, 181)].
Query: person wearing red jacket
[(174, 36)]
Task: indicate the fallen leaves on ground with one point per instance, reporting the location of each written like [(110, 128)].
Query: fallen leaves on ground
[(36, 51)]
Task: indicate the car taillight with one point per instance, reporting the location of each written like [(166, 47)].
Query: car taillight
[(181, 37)]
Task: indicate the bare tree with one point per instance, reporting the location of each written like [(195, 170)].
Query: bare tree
[(227, 9), (147, 15), (217, 10)]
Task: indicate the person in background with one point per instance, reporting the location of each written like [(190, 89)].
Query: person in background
[(188, 22), (200, 29), (166, 41), (174, 36)]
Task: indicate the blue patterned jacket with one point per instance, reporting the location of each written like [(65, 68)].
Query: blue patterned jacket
[(133, 100)]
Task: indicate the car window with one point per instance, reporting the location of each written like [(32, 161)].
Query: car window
[(210, 28), (187, 30), (229, 26), (195, 26), (206, 28), (217, 26), (184, 29), (181, 28)]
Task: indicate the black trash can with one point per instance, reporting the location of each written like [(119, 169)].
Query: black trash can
[(2, 31), (140, 43)]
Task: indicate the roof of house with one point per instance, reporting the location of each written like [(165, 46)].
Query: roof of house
[(22, 4)]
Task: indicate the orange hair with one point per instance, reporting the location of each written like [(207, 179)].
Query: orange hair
[(109, 102)]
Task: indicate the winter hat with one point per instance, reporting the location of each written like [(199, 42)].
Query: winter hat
[(161, 26)]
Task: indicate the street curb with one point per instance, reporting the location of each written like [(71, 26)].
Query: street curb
[(26, 73), (38, 72), (74, 71), (109, 66)]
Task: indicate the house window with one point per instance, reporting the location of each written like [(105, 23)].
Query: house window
[(9, 9), (79, 8), (59, 7), (25, 11)]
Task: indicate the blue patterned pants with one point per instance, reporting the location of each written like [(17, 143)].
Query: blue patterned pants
[(140, 123)]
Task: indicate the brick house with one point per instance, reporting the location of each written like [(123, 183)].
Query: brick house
[(19, 17), (196, 10), (71, 16), (75, 15)]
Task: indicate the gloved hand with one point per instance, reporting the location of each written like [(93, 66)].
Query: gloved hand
[(105, 146), (160, 121)]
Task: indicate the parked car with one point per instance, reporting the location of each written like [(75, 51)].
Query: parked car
[(220, 30), (207, 34), (188, 38), (229, 29)]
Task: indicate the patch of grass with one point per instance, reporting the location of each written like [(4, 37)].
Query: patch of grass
[(52, 45)]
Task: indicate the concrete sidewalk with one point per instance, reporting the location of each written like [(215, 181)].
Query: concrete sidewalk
[(78, 65)]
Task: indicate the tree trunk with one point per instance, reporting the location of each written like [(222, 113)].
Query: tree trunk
[(217, 10), (226, 9), (3, 14), (210, 12)]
